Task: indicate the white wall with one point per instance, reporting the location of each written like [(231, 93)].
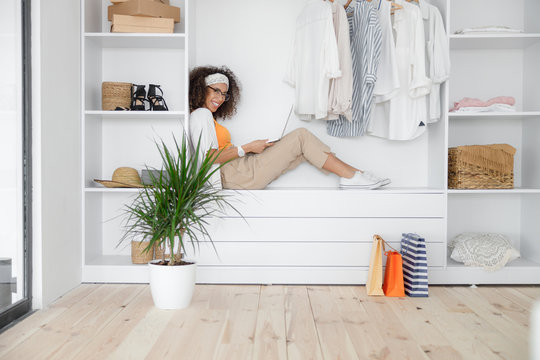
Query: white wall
[(256, 46), (56, 154)]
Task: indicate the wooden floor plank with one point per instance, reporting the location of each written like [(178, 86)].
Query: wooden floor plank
[(487, 341), (115, 321), (531, 291), (194, 332), (302, 339), (460, 325), (360, 326), (515, 296), (171, 328), (513, 311), (414, 314), (16, 335), (116, 332), (492, 315), (94, 323), (333, 336), (398, 340), (74, 325), (74, 296), (242, 302), (271, 335)]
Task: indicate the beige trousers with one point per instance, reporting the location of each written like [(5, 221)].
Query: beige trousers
[(255, 171)]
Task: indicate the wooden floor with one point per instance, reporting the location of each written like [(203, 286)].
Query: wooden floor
[(277, 322)]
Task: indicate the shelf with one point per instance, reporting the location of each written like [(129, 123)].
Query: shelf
[(383, 190), (96, 189), (95, 114), (106, 190), (518, 115), (518, 263), (493, 41), (114, 269), (135, 40), (495, 191), (519, 271), (114, 260)]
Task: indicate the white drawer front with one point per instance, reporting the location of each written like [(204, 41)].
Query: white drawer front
[(329, 229), (334, 203), (298, 254)]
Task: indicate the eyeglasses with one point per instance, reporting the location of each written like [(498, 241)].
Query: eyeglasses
[(220, 93)]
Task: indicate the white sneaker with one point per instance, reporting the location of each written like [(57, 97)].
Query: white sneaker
[(383, 181), (365, 180)]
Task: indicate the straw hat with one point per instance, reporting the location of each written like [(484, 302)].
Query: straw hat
[(123, 177)]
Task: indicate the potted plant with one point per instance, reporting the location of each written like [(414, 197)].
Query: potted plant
[(172, 211)]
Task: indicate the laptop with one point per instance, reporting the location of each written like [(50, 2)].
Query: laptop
[(284, 126)]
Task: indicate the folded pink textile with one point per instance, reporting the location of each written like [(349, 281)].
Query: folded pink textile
[(472, 102)]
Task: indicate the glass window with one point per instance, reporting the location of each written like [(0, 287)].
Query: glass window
[(13, 261)]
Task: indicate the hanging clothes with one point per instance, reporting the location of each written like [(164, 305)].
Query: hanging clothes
[(340, 95), (313, 61), (404, 116), (366, 51), (438, 55), (387, 84)]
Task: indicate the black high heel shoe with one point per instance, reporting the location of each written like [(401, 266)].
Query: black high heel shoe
[(157, 102), (138, 98)]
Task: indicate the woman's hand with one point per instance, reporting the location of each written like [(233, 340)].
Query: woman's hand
[(257, 146)]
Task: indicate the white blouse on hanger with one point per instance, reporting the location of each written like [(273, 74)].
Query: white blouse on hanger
[(404, 116), (387, 83), (313, 60), (438, 54)]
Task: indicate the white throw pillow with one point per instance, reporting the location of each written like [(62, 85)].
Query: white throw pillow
[(490, 251)]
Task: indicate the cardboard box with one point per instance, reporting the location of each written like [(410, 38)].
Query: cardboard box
[(166, 2), (141, 24), (145, 8)]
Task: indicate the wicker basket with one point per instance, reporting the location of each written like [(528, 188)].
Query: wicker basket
[(138, 256), (115, 94), (481, 167)]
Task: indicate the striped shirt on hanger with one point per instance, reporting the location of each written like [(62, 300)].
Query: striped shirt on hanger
[(365, 32)]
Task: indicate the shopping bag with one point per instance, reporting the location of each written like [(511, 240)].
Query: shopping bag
[(374, 280), (415, 271), (393, 275)]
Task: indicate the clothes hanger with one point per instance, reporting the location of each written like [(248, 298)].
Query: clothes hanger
[(394, 7)]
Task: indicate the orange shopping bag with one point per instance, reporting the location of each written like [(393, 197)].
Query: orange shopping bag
[(374, 280), (393, 275)]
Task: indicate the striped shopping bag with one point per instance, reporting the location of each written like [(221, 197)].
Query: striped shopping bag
[(415, 273)]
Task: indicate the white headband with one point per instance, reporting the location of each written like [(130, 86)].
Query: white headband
[(216, 78)]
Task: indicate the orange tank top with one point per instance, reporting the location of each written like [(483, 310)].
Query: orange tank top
[(223, 136)]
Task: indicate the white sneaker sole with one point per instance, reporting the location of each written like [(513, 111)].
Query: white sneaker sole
[(377, 185)]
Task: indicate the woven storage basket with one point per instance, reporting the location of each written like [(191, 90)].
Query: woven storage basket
[(115, 94), (481, 167), (138, 256)]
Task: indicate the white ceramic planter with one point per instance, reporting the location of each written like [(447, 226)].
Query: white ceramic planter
[(172, 286)]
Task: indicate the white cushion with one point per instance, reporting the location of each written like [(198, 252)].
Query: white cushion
[(490, 251)]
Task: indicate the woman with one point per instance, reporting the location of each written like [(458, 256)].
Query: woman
[(214, 92)]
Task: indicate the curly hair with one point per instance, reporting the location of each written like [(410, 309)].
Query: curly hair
[(197, 90)]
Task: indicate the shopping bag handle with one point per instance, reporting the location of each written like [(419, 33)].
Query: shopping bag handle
[(405, 249), (378, 237)]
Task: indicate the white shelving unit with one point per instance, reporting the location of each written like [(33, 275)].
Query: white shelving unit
[(295, 232), (485, 66), (111, 139)]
